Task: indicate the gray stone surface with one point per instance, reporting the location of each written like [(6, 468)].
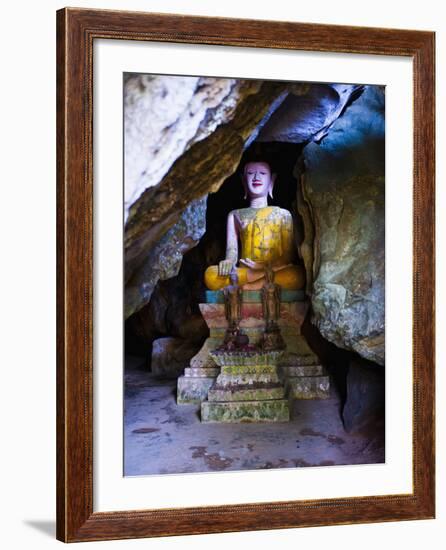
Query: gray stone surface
[(244, 393), (301, 370), (307, 113), (161, 437), (308, 387), (275, 410), (197, 372), (170, 356), (192, 389), (248, 375), (202, 358), (344, 185), (165, 115), (163, 261), (301, 356)]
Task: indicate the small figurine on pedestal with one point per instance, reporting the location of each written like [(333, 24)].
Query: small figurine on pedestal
[(233, 312), (271, 338)]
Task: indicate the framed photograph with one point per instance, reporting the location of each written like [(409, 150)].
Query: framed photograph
[(245, 275)]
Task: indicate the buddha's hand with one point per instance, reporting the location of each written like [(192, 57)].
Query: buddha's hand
[(252, 264), (225, 267)]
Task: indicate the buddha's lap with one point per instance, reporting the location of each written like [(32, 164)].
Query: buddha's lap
[(289, 278)]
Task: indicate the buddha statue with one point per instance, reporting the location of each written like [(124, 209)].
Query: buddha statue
[(265, 235)]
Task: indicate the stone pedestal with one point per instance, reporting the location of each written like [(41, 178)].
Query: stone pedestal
[(248, 389), (246, 411), (193, 389), (198, 378), (298, 371), (303, 375)]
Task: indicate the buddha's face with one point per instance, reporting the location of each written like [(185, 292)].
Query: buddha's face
[(258, 179)]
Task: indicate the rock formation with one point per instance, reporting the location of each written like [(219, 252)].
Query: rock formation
[(165, 116), (344, 187)]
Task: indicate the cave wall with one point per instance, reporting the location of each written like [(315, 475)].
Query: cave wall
[(345, 194), (165, 115), (163, 260)]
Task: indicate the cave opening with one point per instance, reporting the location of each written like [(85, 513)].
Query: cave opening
[(327, 145), (173, 308), (172, 317)]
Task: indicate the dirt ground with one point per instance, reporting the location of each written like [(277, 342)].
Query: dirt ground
[(161, 437)]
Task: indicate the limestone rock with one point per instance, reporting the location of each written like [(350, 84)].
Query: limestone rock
[(165, 115), (308, 387), (308, 112), (170, 356), (344, 186), (192, 389), (163, 261)]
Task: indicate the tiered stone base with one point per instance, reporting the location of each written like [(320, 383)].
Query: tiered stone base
[(248, 389), (193, 389), (197, 380), (246, 411), (299, 370), (302, 374)]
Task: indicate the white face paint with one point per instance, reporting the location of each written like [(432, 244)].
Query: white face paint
[(258, 179)]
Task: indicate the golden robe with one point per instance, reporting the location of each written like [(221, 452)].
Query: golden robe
[(266, 236)]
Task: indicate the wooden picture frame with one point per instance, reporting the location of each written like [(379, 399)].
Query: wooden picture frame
[(76, 31)]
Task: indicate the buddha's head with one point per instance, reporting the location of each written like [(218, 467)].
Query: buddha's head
[(258, 179)]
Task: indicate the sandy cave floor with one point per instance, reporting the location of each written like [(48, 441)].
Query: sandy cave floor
[(161, 437)]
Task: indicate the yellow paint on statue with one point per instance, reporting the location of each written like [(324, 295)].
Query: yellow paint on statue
[(266, 235), (288, 278)]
